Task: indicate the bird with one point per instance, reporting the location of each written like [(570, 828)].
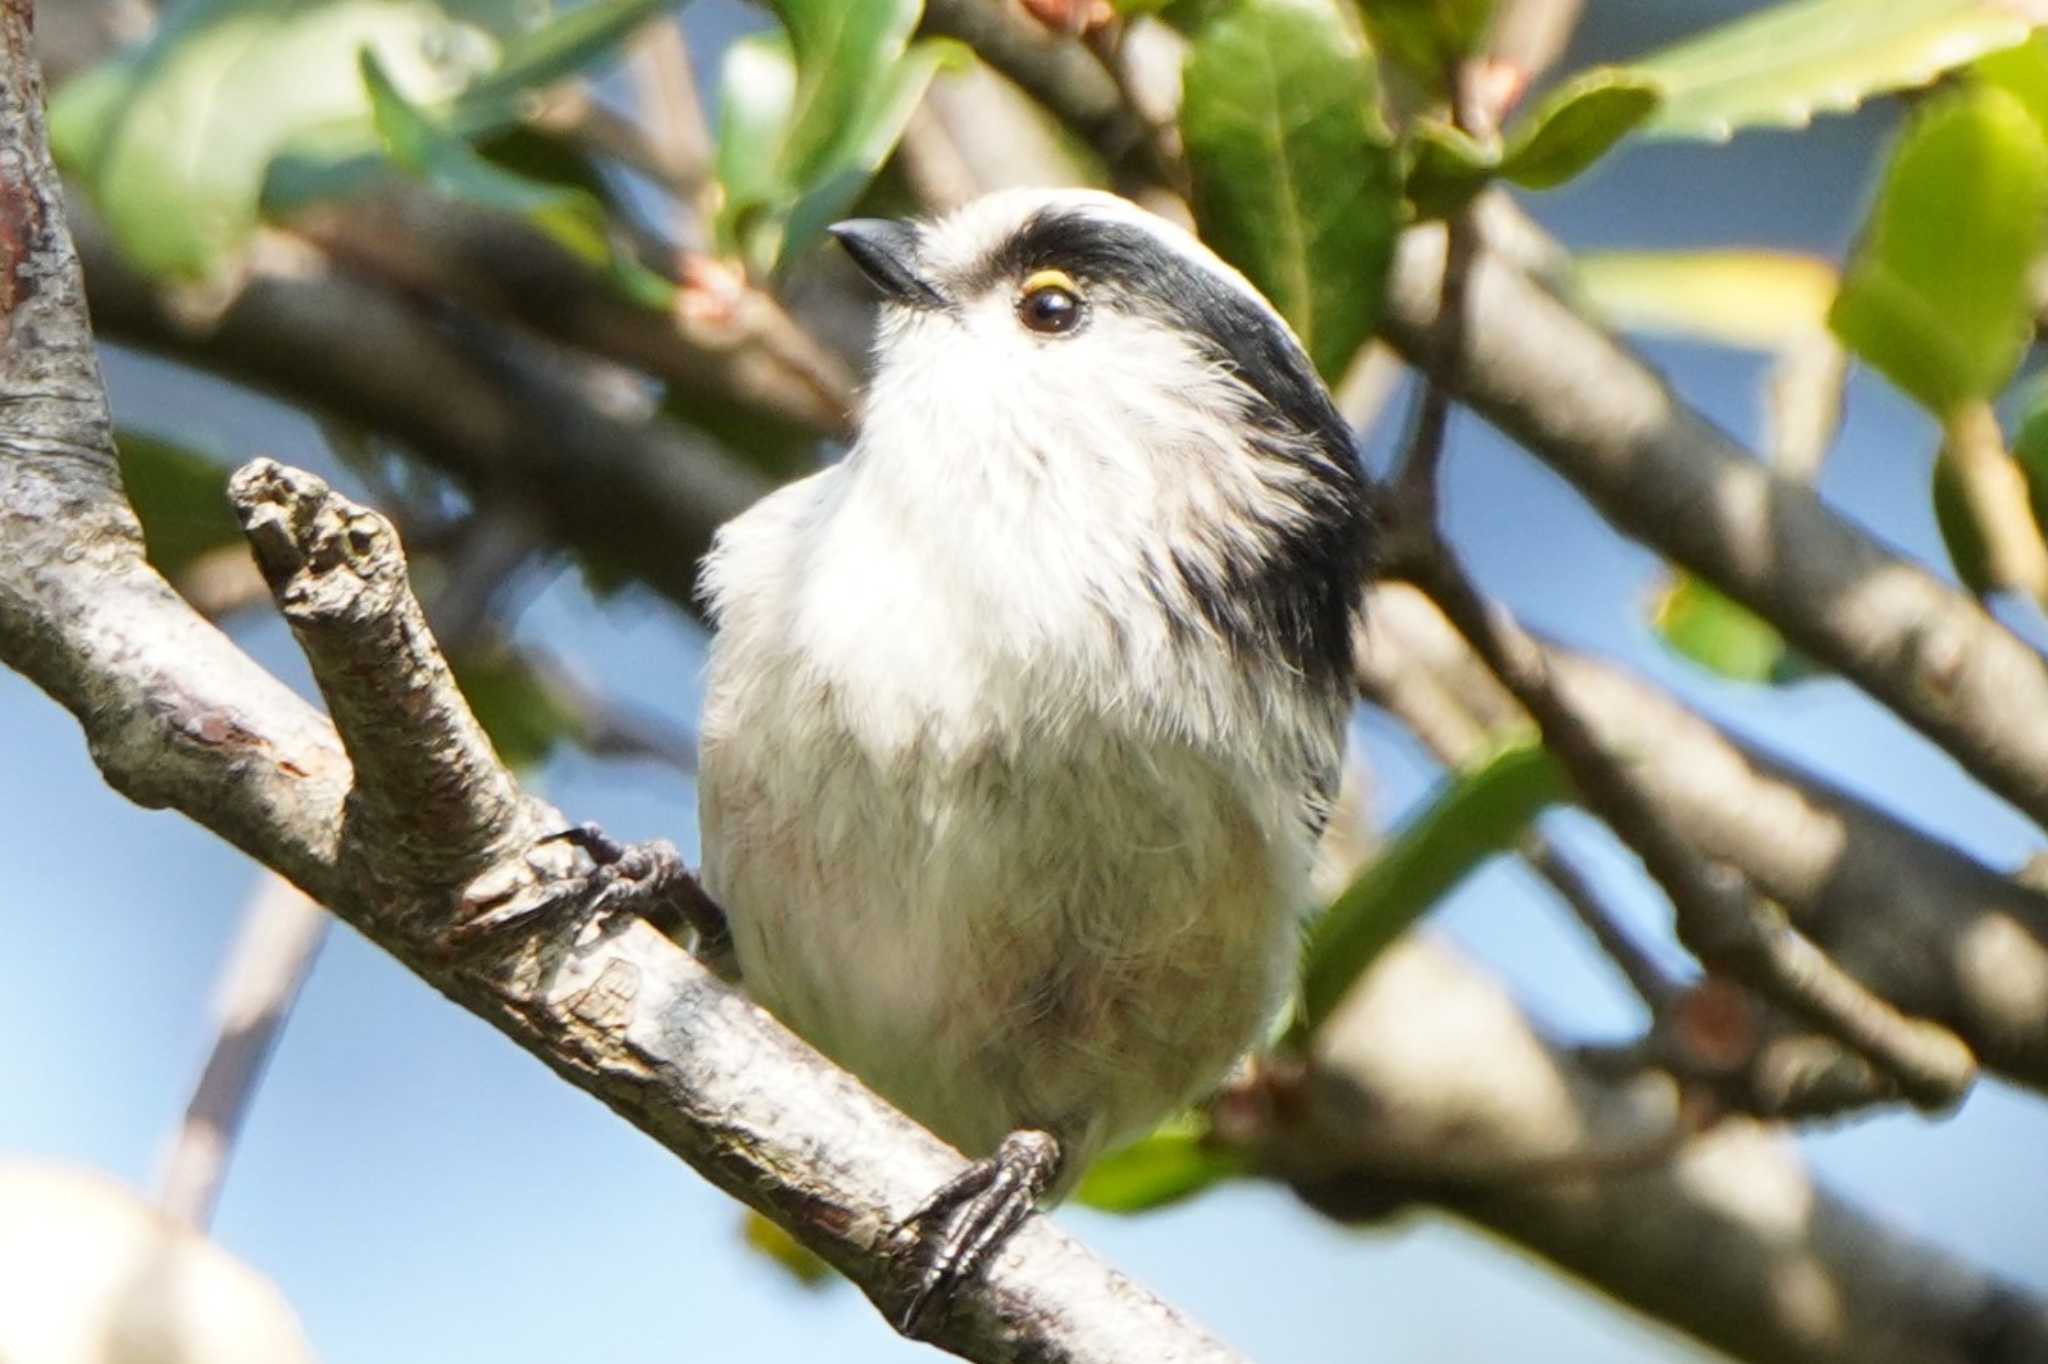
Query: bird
[(1023, 718)]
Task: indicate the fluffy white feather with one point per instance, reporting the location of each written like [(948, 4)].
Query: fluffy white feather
[(1000, 823)]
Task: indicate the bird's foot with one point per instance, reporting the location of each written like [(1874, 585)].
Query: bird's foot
[(643, 880), (966, 1221)]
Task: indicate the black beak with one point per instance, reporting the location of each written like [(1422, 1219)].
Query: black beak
[(884, 250)]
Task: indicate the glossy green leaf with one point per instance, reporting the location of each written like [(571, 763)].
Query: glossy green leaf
[(1722, 635), (808, 115), (1565, 133), (1781, 66), (1752, 299), (1937, 298), (1295, 177), (180, 496), (1427, 37), (572, 216), (1169, 1166), (1477, 813)]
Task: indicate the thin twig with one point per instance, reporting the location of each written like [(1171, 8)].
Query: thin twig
[(281, 933)]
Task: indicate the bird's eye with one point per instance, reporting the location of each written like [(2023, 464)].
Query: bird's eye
[(1050, 304)]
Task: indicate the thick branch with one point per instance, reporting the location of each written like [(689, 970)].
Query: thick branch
[(1592, 409), (1727, 1236), (177, 716), (1926, 926)]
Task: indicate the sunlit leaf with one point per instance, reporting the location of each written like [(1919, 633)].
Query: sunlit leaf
[(177, 141), (1295, 178), (1477, 813), (1937, 297), (1756, 300), (1722, 635), (809, 114), (572, 216), (1781, 66), (176, 158), (1170, 1165), (1560, 137), (1427, 37)]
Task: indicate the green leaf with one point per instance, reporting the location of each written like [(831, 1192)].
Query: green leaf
[(1722, 635), (1781, 66), (1959, 530), (808, 115), (178, 141), (180, 496), (1477, 813), (1575, 125), (2022, 72), (514, 704), (802, 1263), (1937, 298), (176, 155), (554, 51), (1427, 37), (1172, 1164), (1566, 132), (1295, 177), (1750, 299), (575, 218)]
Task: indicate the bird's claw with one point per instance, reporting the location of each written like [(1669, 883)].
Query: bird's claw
[(956, 1230), (644, 880)]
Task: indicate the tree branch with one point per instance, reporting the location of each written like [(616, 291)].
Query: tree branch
[(1591, 408), (1923, 924), (177, 716), (1725, 1235)]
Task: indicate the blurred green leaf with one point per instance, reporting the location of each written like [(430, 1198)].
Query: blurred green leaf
[(1172, 1164), (1295, 177), (177, 140), (514, 704), (809, 114), (1960, 533), (180, 496), (1427, 37), (573, 217), (556, 50), (1574, 125), (1566, 132), (766, 1238), (175, 156), (1959, 530), (1475, 814), (2022, 72), (1937, 298), (1781, 66), (1752, 299), (1722, 635)]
